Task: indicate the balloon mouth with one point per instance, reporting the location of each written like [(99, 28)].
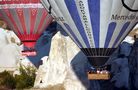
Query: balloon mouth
[(29, 53), (97, 57), (97, 61)]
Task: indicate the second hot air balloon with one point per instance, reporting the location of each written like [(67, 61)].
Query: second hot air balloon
[(96, 26), (27, 18)]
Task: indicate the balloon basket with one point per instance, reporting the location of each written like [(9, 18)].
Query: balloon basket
[(29, 53), (93, 76), (98, 75)]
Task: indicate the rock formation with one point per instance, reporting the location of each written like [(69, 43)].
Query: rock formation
[(10, 51), (64, 66)]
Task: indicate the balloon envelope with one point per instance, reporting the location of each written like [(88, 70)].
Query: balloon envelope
[(27, 18), (96, 26)]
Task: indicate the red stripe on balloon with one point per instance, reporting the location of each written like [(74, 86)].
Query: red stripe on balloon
[(49, 20), (12, 20), (35, 1), (2, 2), (16, 1), (25, 1), (21, 18), (42, 20), (33, 15)]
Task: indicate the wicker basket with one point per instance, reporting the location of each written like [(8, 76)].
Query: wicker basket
[(98, 76)]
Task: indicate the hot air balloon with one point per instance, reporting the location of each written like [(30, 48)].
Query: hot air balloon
[(27, 18), (96, 26)]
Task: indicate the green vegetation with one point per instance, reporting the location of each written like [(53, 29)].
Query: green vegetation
[(23, 81), (7, 80)]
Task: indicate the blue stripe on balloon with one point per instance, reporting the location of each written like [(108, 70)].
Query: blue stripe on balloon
[(71, 32), (71, 5), (110, 31), (124, 28), (94, 10)]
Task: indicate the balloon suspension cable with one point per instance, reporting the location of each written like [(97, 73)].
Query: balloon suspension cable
[(96, 51), (85, 51), (106, 51), (90, 51), (103, 52), (99, 52), (109, 51), (92, 54)]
